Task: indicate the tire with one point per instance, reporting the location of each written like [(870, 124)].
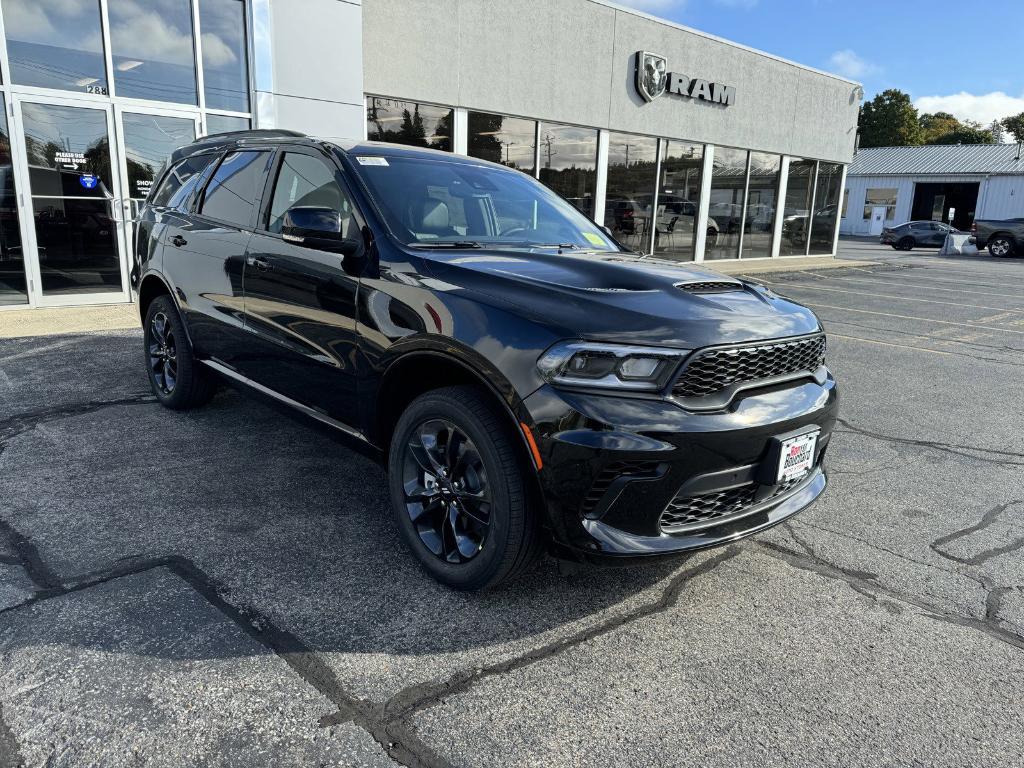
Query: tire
[(906, 244), (432, 508), (178, 379), (1001, 246)]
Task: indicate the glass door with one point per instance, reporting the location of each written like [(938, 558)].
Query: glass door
[(78, 244), (146, 138)]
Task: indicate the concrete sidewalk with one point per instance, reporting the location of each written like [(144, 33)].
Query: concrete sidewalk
[(55, 321)]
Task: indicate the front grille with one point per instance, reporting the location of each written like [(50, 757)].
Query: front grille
[(713, 370), (690, 512), (709, 286), (608, 475)]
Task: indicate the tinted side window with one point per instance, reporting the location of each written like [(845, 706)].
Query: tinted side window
[(305, 181), (180, 181), (231, 194)]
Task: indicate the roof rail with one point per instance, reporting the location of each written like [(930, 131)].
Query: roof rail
[(257, 133)]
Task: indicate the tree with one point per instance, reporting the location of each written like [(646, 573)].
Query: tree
[(934, 127), (1015, 126), (968, 132), (889, 120)]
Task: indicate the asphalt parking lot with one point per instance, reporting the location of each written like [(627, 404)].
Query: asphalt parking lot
[(223, 587)]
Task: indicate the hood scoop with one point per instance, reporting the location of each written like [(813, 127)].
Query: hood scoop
[(710, 286)]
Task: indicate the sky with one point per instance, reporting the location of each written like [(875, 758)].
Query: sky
[(957, 57)]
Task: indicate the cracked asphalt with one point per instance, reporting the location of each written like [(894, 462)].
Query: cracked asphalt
[(223, 587)]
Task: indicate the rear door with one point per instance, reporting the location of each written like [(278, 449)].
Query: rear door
[(205, 254), (300, 302)]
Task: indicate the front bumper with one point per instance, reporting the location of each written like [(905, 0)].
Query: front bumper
[(612, 465)]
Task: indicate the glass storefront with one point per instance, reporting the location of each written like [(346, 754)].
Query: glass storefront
[(568, 163), (725, 212), (762, 194), (632, 165), (826, 209), (408, 122), (679, 199), (510, 141), (101, 94), (799, 189)]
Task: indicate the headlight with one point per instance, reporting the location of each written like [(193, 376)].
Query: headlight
[(609, 366)]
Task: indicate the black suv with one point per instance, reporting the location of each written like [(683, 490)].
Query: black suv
[(527, 381)]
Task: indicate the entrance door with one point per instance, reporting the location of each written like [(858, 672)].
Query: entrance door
[(77, 243), (145, 139), (877, 219)]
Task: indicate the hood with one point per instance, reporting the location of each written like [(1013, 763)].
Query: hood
[(619, 297)]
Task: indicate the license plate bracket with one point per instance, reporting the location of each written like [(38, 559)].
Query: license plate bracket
[(790, 456)]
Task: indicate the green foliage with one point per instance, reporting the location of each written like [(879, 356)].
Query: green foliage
[(1015, 126), (889, 120)]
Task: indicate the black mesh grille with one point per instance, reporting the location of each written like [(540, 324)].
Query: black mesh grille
[(713, 370), (688, 512), (608, 475), (709, 286)]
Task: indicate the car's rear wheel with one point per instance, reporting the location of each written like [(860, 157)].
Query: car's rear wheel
[(459, 492), (906, 244), (1000, 246), (178, 379)]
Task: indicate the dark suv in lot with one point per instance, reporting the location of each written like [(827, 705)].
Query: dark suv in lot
[(528, 382)]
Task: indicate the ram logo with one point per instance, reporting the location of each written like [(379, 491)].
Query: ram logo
[(651, 74)]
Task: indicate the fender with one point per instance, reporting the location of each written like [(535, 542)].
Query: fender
[(172, 292)]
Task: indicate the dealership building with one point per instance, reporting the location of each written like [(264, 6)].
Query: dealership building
[(887, 186), (684, 145)]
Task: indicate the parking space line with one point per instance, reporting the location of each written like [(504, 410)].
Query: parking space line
[(809, 287), (1018, 296), (889, 344), (911, 317)]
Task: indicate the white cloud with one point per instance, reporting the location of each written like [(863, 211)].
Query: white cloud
[(983, 108), (848, 64)]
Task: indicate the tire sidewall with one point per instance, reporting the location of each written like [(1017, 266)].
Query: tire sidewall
[(183, 350), (1009, 247), (478, 571)]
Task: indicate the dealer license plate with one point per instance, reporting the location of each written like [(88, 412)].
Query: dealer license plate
[(797, 456)]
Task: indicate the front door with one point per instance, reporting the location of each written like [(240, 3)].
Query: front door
[(76, 238), (877, 219)]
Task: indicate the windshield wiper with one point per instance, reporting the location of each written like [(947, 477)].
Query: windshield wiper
[(448, 244), (559, 246)]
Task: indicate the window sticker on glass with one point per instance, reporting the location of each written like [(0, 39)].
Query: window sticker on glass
[(594, 239), (372, 160)]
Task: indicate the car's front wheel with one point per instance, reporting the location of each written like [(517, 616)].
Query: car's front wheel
[(176, 376), (1000, 246), (459, 492), (906, 244)]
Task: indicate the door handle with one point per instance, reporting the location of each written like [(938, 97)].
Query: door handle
[(261, 264), (178, 241)]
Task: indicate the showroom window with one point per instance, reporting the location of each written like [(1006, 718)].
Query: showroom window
[(762, 198), (725, 212), (56, 44), (880, 197), (225, 123), (826, 209), (632, 169), (152, 49), (679, 200), (568, 163), (511, 141), (797, 208), (13, 287), (409, 122), (225, 71)]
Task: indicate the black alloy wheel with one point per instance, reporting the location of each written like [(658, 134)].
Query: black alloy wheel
[(178, 379), (906, 244), (460, 493), (163, 353), (447, 495)]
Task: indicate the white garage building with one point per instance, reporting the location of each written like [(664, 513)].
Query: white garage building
[(886, 186)]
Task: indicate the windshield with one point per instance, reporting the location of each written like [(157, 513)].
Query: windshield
[(435, 203)]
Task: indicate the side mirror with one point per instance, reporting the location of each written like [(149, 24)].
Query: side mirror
[(317, 228)]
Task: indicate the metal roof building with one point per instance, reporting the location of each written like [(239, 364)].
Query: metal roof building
[(890, 185)]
